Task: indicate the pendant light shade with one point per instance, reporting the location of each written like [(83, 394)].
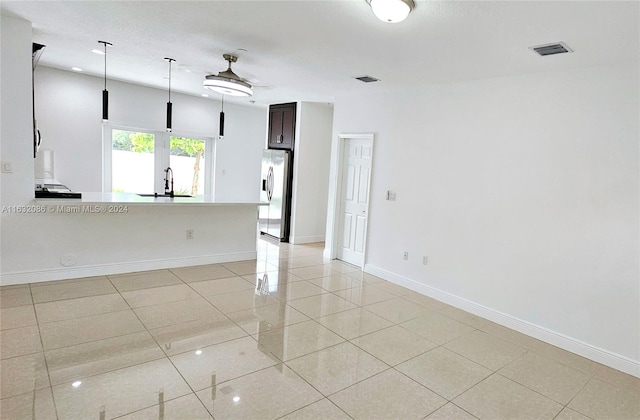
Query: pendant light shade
[(391, 11), (169, 115), (221, 126), (105, 92), (169, 104), (105, 105), (227, 82)]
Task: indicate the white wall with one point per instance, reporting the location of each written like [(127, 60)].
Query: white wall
[(16, 131), (522, 191), (69, 114), (36, 247), (311, 172)]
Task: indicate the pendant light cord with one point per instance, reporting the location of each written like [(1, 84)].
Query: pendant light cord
[(105, 93), (169, 104), (170, 60), (105, 43), (105, 66)]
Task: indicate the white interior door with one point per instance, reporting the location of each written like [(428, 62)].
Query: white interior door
[(356, 179)]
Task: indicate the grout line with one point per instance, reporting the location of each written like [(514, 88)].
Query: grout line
[(533, 390), (284, 301), (46, 323), (46, 364), (91, 341), (456, 405), (154, 405), (165, 356), (72, 298), (315, 402), (572, 398)]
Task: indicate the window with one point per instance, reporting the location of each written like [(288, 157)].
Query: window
[(135, 161), (132, 161), (187, 158)]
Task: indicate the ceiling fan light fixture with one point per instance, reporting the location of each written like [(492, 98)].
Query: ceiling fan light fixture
[(391, 11), (227, 86), (227, 82)]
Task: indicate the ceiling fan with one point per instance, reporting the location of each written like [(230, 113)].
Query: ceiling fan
[(227, 82)]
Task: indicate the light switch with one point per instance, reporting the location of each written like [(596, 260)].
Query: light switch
[(6, 167)]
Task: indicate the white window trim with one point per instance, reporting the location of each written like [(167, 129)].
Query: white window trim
[(161, 156)]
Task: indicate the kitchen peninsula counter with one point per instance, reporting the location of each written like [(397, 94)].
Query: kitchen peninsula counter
[(117, 233), (97, 198)]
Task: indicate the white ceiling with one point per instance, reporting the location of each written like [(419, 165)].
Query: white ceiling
[(311, 50)]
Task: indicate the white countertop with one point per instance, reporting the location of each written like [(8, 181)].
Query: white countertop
[(135, 199)]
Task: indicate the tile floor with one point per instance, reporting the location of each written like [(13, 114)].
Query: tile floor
[(313, 339)]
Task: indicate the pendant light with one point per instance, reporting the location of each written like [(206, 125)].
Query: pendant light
[(221, 132), (227, 82), (391, 11), (169, 104), (105, 92)]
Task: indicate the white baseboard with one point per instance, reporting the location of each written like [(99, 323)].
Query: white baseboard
[(297, 240), (119, 268), (616, 361)]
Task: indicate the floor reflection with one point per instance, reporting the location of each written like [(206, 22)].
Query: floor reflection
[(287, 335)]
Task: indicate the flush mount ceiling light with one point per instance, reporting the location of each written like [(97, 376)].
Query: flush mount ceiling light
[(227, 82), (391, 11)]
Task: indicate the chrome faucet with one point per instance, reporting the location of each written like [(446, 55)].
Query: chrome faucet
[(166, 181)]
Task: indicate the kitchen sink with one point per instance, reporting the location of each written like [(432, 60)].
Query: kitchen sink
[(164, 195)]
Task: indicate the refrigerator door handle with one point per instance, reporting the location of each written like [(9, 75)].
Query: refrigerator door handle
[(270, 183)]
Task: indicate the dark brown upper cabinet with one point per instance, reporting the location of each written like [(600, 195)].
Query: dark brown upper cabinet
[(282, 126)]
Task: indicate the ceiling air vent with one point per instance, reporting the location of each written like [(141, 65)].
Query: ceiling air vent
[(551, 49), (367, 79)]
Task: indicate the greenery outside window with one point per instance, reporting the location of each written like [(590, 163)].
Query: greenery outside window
[(135, 161)]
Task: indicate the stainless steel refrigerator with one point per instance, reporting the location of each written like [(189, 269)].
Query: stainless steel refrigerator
[(275, 189)]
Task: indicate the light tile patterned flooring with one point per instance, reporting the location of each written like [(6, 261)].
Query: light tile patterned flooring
[(314, 339)]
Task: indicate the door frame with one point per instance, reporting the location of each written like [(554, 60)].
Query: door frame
[(336, 221)]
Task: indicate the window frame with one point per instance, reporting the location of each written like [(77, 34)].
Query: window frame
[(162, 156)]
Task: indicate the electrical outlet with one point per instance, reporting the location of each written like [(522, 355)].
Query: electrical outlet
[(424, 260), (406, 255), (189, 234), (68, 260)]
